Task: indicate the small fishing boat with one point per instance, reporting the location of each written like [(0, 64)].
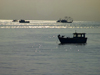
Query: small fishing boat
[(23, 21), (77, 38)]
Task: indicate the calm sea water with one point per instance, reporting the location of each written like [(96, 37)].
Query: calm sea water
[(33, 49)]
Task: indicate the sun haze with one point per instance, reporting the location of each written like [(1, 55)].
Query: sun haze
[(79, 10)]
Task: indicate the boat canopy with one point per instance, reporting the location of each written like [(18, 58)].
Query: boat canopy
[(75, 35)]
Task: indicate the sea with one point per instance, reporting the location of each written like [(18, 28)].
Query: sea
[(34, 49)]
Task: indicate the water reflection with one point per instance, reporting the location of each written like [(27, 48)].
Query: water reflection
[(48, 24), (42, 27)]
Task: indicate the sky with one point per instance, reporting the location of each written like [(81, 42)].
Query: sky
[(79, 10)]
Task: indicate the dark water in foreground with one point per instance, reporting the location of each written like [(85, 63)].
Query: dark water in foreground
[(33, 49)]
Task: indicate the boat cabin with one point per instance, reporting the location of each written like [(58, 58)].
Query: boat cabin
[(22, 20), (78, 35)]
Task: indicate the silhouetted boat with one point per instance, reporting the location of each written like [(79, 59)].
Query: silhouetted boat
[(66, 20), (15, 21), (77, 38), (23, 21)]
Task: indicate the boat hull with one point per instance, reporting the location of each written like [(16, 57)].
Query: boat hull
[(72, 40), (63, 21), (24, 22)]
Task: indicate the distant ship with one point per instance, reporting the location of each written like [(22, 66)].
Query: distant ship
[(66, 20), (15, 21), (23, 21)]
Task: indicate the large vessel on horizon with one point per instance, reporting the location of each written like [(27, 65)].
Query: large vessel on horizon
[(23, 21), (65, 20)]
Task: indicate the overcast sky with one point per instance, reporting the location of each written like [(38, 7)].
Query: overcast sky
[(79, 10)]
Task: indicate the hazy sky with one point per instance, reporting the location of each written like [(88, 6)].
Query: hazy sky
[(80, 10)]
